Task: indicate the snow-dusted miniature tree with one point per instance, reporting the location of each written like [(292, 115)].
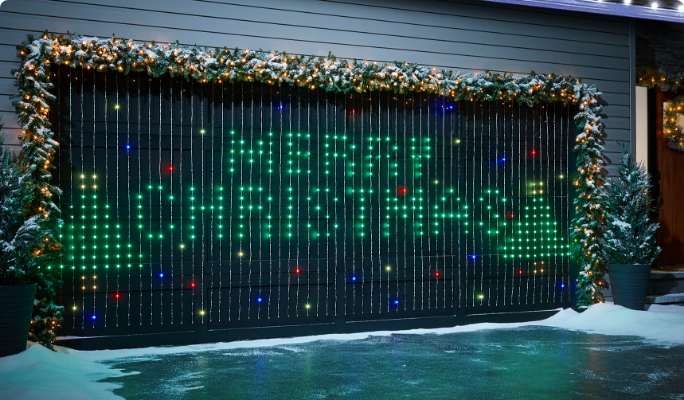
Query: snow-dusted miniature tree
[(24, 256), (630, 231)]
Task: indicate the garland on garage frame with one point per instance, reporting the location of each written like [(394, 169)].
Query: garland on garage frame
[(674, 110), (222, 64)]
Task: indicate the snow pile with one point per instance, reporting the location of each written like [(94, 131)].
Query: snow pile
[(39, 373), (663, 324)]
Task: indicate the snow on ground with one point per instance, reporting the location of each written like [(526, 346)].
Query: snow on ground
[(40, 373), (73, 374)]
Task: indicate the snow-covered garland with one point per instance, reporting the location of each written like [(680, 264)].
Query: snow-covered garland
[(277, 68), (674, 111)]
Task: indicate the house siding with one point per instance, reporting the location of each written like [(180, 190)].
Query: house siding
[(463, 35)]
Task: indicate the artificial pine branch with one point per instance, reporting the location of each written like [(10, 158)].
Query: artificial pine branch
[(630, 232)]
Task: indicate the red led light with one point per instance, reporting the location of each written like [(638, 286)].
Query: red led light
[(533, 152), (437, 274), (297, 270), (401, 191), (520, 271), (511, 215), (192, 284), (170, 169), (116, 295)]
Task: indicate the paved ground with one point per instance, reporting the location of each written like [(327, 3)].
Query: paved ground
[(523, 363)]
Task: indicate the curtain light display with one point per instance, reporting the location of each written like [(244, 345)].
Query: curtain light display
[(262, 183)]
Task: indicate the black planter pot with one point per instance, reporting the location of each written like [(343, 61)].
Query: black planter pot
[(629, 284), (16, 309)]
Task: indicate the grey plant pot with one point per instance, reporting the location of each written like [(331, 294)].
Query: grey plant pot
[(629, 284), (16, 309)]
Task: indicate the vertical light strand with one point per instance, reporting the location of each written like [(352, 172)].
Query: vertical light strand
[(502, 214), (106, 185), (416, 198), (269, 210), (451, 140), (221, 168), (481, 207), (551, 196), (269, 217), (128, 190), (568, 150), (149, 187), (249, 203), (181, 189), (474, 224), (458, 173), (556, 199), (426, 229), (392, 155), (192, 196), (495, 249), (297, 229), (159, 171), (280, 199), (260, 255), (535, 208), (412, 194), (232, 196), (118, 202), (327, 220), (172, 249), (401, 98), (138, 145), (527, 195), (83, 210), (345, 120), (212, 188), (201, 201), (352, 124), (443, 225), (520, 198), (242, 204), (73, 214)]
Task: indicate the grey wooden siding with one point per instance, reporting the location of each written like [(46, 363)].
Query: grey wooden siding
[(465, 35)]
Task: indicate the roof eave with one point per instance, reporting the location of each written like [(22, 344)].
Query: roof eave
[(596, 7)]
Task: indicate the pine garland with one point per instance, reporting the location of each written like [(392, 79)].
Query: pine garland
[(673, 83), (673, 115), (666, 82), (332, 74)]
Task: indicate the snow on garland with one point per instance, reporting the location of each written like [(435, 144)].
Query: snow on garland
[(331, 74)]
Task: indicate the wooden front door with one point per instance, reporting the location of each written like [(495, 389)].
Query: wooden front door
[(670, 164)]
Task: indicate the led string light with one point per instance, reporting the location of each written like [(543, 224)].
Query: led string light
[(369, 197)]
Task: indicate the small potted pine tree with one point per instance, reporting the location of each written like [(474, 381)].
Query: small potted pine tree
[(21, 237), (630, 242)]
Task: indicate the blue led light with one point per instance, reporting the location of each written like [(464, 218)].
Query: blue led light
[(395, 302), (128, 147), (473, 256), (562, 285), (503, 159), (161, 274), (259, 299), (94, 317), (353, 278)]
